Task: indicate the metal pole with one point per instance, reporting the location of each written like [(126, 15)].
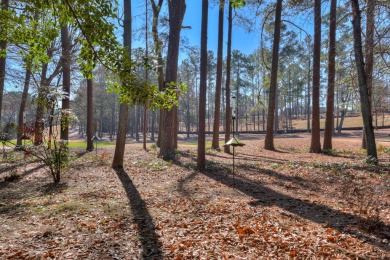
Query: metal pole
[(233, 118), (233, 163)]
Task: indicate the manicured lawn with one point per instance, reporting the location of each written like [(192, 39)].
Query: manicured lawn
[(74, 144)]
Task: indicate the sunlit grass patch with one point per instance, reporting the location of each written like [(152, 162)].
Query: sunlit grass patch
[(74, 144)]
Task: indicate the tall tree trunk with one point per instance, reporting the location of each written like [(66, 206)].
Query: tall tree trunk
[(3, 48), (22, 109), (365, 103), (176, 125), (89, 114), (137, 122), (157, 50), (329, 121), (315, 146), (42, 95), (153, 126), (188, 116), (65, 59), (308, 96), (201, 162), (238, 96), (145, 126), (276, 119), (369, 50), (176, 10), (112, 124), (269, 137), (146, 73), (228, 113), (123, 108)]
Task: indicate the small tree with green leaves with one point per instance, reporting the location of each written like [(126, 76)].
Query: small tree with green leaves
[(52, 151)]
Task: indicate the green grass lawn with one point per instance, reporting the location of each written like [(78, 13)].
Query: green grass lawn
[(74, 144)]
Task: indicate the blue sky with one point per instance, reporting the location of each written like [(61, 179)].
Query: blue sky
[(242, 40)]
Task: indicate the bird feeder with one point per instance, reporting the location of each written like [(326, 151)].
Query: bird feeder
[(234, 141)]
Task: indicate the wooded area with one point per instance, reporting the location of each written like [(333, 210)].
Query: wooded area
[(138, 130)]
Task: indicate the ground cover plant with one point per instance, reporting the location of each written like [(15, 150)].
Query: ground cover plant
[(281, 204)]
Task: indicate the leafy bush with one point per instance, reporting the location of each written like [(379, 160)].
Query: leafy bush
[(51, 150), (55, 157)]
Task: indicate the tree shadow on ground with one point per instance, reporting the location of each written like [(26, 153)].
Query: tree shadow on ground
[(248, 157), (318, 213), (302, 182), (150, 244), (52, 188), (182, 183), (4, 184), (11, 167)]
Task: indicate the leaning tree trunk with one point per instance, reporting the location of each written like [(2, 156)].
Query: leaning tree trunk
[(176, 14), (269, 137), (228, 114), (124, 108), (365, 103), (315, 146), (329, 121), (217, 108)]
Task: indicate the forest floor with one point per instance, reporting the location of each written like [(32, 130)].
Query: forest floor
[(281, 204)]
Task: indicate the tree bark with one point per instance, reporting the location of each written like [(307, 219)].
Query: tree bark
[(89, 114), (3, 48), (23, 103), (365, 103), (65, 59), (201, 162), (42, 95), (315, 146), (123, 108), (369, 50), (228, 112), (145, 126), (308, 96), (217, 108), (137, 122), (176, 10), (269, 137), (157, 50), (331, 78), (146, 74)]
